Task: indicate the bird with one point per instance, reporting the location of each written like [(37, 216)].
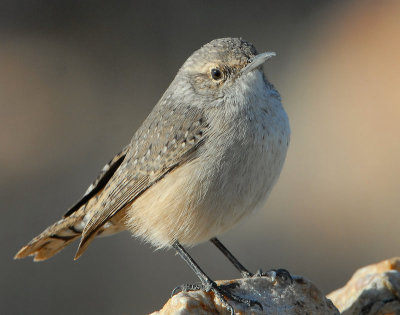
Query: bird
[(206, 157)]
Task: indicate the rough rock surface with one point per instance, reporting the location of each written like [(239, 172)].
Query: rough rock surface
[(373, 290), (276, 294)]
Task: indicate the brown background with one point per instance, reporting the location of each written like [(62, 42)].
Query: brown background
[(78, 77)]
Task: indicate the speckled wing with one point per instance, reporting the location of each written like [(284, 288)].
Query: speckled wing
[(168, 138)]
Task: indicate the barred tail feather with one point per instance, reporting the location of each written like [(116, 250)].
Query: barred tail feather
[(53, 239), (70, 227)]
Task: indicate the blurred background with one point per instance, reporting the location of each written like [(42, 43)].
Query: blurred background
[(78, 77)]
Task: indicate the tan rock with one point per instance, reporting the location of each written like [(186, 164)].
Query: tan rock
[(372, 290), (277, 296)]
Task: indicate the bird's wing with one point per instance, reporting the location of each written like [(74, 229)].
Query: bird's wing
[(100, 182), (168, 138)]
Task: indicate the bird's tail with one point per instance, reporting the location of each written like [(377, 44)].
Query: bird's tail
[(54, 238), (71, 226)]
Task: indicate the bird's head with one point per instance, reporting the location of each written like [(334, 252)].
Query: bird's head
[(225, 66)]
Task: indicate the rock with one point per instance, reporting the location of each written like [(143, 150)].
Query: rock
[(278, 295), (372, 290)]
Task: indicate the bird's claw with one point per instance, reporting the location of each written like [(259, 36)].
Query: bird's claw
[(275, 274), (187, 288), (221, 291)]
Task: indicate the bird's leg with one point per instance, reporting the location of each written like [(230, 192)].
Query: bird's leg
[(220, 291), (274, 273), (243, 271)]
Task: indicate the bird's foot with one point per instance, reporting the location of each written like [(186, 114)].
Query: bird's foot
[(221, 291), (281, 275)]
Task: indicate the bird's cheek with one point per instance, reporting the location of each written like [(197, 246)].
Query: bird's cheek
[(207, 89)]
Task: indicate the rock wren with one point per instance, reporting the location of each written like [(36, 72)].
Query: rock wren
[(207, 156)]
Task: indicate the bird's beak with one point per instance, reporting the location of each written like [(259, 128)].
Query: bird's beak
[(257, 61)]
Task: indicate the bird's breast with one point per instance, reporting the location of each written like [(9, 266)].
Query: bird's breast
[(247, 161)]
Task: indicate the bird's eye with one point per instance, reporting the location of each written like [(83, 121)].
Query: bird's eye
[(216, 74)]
